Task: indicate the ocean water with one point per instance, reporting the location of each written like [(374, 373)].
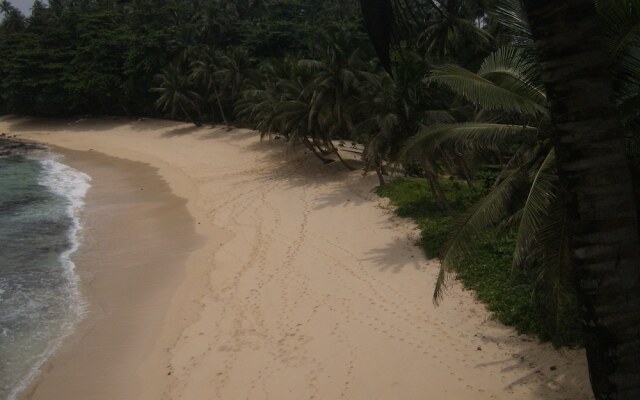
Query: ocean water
[(41, 200)]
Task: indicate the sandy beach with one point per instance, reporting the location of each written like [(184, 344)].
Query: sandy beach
[(219, 266)]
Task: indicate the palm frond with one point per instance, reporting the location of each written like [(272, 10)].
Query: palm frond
[(512, 17), (477, 220), (473, 136), (482, 91), (535, 212), (621, 28), (436, 117), (509, 69), (554, 278)]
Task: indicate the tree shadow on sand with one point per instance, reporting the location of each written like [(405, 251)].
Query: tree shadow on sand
[(397, 255), (549, 378), (34, 124), (181, 131)]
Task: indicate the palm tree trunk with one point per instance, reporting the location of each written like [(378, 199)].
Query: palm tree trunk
[(465, 171), (349, 167), (315, 151), (432, 178), (593, 167), (189, 116), (224, 117), (380, 171)]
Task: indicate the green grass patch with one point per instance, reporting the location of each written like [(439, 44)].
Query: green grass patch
[(413, 199), (486, 268)]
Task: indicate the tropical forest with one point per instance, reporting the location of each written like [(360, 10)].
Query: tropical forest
[(494, 125)]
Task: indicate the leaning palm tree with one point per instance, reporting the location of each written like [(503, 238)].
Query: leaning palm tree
[(284, 104), (589, 153), (301, 116), (395, 109), (175, 95), (509, 111), (337, 79)]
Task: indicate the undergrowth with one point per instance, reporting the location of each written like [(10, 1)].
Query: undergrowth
[(486, 268)]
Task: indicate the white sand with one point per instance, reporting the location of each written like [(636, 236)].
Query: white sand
[(306, 287)]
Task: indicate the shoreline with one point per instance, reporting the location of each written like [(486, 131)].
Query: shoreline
[(305, 286), (61, 303), (95, 360), (123, 194)]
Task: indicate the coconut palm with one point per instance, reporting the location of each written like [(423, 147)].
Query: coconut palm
[(175, 94), (453, 29), (284, 104), (592, 162), (395, 110), (587, 149), (235, 70), (13, 19), (509, 112), (337, 79), (214, 20), (204, 70)]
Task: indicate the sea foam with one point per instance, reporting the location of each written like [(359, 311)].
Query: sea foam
[(72, 186)]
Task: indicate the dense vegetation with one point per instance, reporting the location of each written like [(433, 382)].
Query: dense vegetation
[(101, 57), (463, 112), (486, 266)]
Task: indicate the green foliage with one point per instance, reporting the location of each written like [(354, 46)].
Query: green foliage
[(99, 57), (485, 267), (414, 199)]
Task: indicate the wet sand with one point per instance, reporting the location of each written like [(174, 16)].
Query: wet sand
[(136, 238)]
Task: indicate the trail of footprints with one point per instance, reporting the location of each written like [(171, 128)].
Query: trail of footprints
[(240, 325), (284, 350), (227, 297), (291, 280), (257, 258)]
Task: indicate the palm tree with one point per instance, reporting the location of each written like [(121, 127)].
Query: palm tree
[(507, 110), (214, 20), (592, 164), (13, 19), (176, 97), (300, 115), (204, 70), (394, 110), (235, 70), (337, 79), (284, 104), (590, 157), (452, 30)]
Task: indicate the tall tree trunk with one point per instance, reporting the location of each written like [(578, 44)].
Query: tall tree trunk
[(432, 179), (217, 94), (316, 153), (379, 170), (465, 171), (342, 160), (193, 121), (593, 167)]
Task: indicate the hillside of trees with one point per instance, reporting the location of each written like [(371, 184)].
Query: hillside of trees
[(102, 57), (459, 109)]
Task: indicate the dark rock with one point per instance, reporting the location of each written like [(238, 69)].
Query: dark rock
[(12, 147)]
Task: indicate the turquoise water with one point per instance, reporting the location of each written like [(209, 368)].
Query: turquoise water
[(40, 204)]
